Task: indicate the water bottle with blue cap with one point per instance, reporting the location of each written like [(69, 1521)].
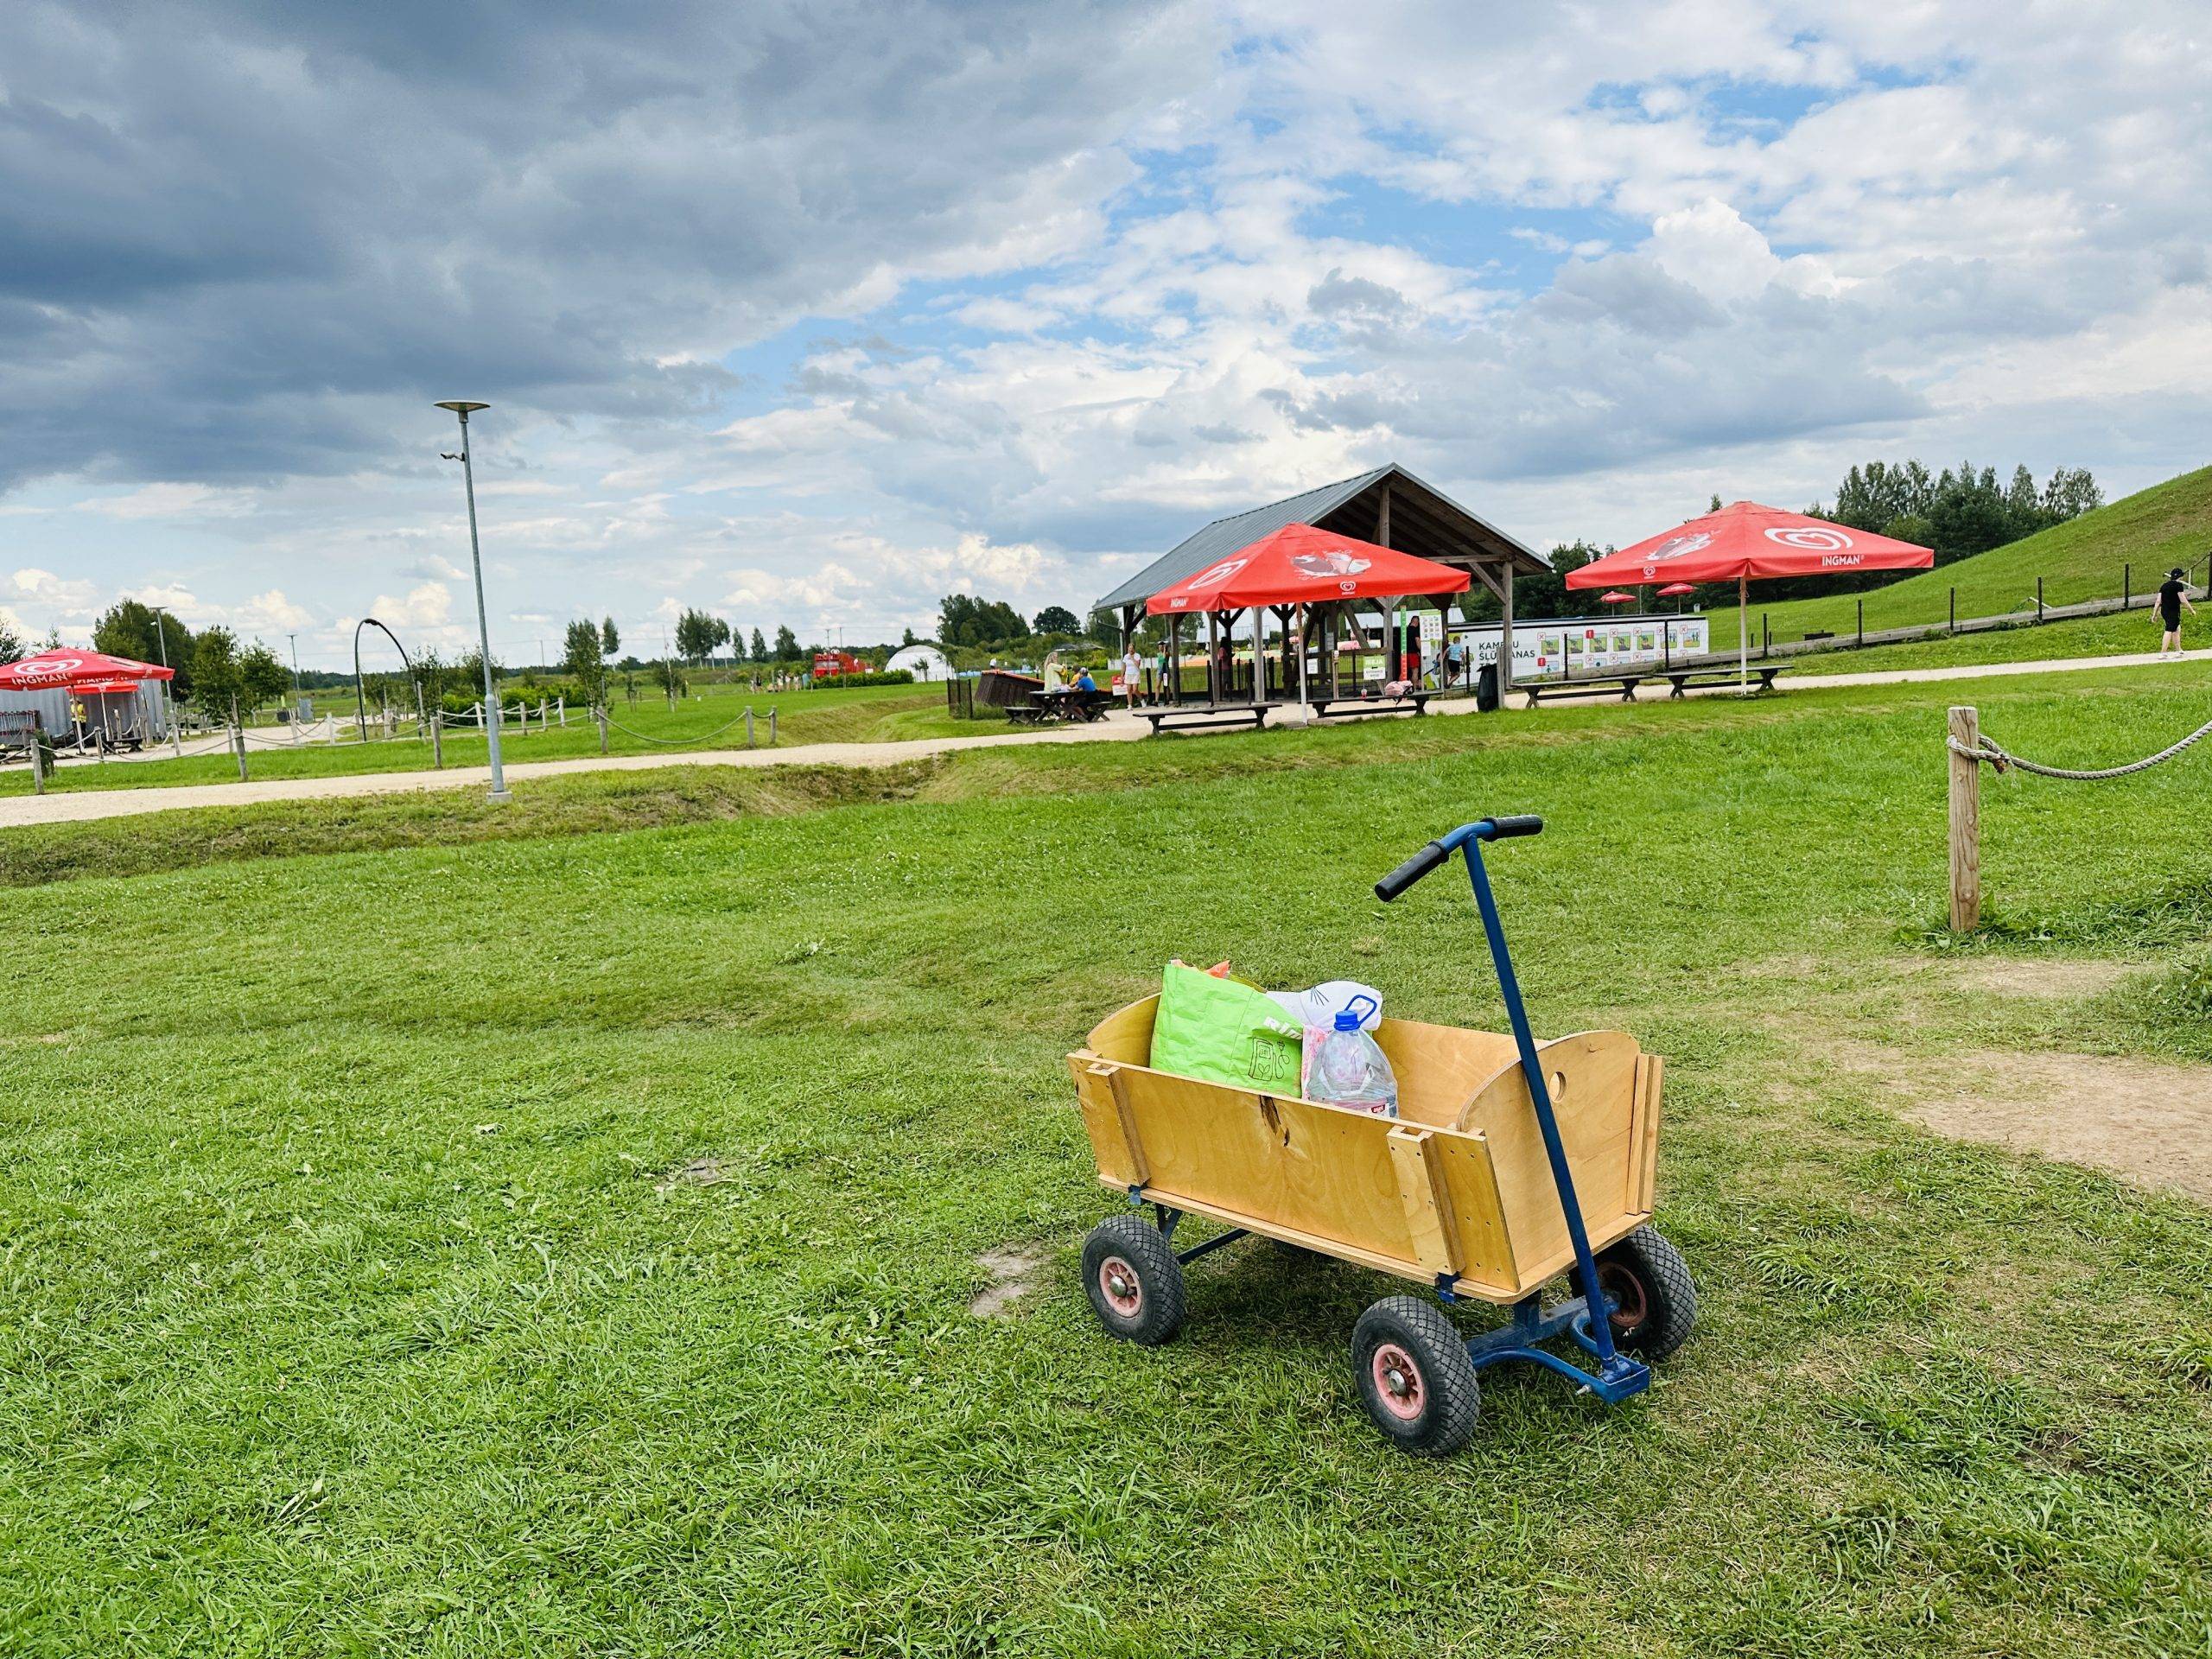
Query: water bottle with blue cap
[(1346, 1066)]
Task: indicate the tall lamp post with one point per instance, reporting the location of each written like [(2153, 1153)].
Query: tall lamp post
[(464, 409), (169, 708)]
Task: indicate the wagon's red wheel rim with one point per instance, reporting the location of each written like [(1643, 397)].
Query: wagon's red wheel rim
[(1118, 1283), (1398, 1383), (1625, 1291)]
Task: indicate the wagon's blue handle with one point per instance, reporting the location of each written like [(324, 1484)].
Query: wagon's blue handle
[(1433, 856), (1540, 1095)]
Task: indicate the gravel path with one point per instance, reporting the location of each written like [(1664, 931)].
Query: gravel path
[(69, 807)]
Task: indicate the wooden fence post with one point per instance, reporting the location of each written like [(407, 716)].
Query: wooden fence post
[(438, 740), (238, 743), (1966, 823), (748, 725), (600, 714), (38, 756)]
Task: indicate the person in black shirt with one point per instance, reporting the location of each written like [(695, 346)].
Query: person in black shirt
[(2173, 594)]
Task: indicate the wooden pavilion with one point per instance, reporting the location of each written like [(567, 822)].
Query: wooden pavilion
[(1388, 506)]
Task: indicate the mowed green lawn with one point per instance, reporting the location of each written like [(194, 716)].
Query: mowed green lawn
[(2088, 557), (713, 719), (383, 1319)]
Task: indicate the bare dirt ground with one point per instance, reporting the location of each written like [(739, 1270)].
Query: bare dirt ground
[(2145, 1120), (2148, 1121)]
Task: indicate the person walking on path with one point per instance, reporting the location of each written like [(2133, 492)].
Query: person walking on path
[(2173, 594)]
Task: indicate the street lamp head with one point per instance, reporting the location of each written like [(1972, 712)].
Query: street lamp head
[(462, 407)]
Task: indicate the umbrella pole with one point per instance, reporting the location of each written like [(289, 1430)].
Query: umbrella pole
[(1743, 636)]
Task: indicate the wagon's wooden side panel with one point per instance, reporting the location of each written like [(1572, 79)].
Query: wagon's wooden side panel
[(1392, 1195), (1594, 1079)]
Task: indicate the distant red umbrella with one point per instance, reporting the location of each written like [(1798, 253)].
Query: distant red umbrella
[(1745, 541), (50, 669), (1617, 597), (1676, 589)]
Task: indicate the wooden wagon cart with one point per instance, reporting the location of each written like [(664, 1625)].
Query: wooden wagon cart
[(1510, 1162)]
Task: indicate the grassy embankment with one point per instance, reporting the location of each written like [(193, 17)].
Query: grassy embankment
[(591, 1275)]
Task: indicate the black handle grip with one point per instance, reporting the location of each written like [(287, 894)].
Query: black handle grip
[(1411, 871), (1505, 829)]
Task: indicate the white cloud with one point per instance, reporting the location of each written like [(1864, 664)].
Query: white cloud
[(427, 606), (271, 613), (1711, 248), (54, 592)]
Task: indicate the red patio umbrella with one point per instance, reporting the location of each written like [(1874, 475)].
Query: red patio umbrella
[(1676, 589), (64, 667), (1300, 565), (1617, 597), (1744, 541)]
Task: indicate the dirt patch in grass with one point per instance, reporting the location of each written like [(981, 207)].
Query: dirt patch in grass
[(2051, 978), (700, 1171), (1013, 1275), (2146, 1121)]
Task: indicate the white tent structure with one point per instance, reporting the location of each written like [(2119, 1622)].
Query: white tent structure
[(924, 662)]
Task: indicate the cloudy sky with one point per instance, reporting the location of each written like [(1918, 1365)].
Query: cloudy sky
[(810, 311)]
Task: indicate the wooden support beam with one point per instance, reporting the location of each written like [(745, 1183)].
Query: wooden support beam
[(1427, 1198)]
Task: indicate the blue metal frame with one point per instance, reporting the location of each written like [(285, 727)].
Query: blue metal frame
[(1586, 1316)]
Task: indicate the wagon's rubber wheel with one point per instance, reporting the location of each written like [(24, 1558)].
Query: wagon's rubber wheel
[(1655, 1302), (1415, 1376), (1134, 1282)]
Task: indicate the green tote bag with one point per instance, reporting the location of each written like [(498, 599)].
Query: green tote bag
[(1224, 1031)]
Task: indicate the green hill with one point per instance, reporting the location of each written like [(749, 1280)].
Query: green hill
[(2152, 531)]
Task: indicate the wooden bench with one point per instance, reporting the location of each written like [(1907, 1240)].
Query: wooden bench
[(1205, 717), (1593, 685), (1410, 702), (1682, 678)]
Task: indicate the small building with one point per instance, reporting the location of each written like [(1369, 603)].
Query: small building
[(923, 660), (1388, 506)]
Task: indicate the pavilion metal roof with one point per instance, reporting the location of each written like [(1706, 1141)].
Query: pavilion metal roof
[(1424, 521)]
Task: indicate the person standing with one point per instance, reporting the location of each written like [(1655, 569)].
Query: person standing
[(2173, 595), (1131, 672)]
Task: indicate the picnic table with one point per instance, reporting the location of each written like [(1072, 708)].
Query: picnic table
[(1066, 702)]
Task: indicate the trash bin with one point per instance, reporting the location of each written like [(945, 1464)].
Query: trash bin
[(1486, 688)]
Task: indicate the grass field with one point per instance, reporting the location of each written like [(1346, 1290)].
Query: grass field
[(2168, 525), (710, 719), (590, 1274), (2121, 633)]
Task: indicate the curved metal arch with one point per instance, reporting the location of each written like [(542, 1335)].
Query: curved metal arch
[(360, 700)]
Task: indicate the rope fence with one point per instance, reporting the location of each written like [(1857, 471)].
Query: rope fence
[(1967, 750)]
